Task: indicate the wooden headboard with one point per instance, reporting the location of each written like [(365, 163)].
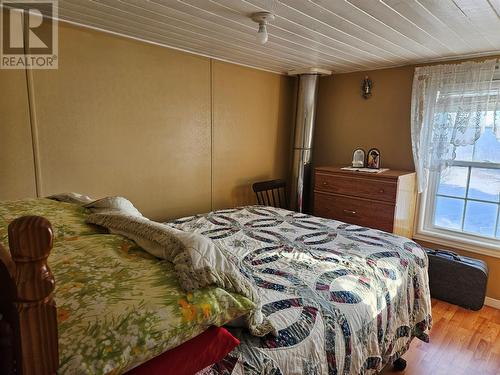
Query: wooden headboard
[(28, 315)]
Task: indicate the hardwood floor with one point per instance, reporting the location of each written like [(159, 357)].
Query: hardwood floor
[(462, 342)]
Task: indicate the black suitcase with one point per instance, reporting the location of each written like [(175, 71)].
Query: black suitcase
[(457, 279)]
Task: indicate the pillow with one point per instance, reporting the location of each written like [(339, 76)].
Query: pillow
[(72, 197), (113, 204), (194, 355)]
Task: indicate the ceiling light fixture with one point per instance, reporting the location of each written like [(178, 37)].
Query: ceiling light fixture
[(262, 18)]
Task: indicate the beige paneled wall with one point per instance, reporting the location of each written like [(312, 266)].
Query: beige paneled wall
[(161, 127), (124, 117), (17, 174), (252, 124)]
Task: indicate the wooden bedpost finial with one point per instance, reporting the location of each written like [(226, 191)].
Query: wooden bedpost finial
[(30, 242)]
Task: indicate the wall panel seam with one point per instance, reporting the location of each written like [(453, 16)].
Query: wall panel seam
[(34, 131), (32, 116), (211, 134)]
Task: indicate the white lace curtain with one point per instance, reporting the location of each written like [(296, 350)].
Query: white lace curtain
[(448, 110)]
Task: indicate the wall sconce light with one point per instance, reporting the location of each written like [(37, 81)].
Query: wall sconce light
[(366, 87)]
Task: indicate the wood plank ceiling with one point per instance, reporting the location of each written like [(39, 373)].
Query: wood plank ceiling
[(339, 35)]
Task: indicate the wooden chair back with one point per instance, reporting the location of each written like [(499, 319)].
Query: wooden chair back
[(271, 193)]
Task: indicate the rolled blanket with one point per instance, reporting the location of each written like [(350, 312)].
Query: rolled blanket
[(197, 260)]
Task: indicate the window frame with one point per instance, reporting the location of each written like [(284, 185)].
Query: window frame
[(426, 230), (446, 237)]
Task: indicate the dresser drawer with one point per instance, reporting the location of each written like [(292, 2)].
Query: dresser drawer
[(378, 215), (357, 186)]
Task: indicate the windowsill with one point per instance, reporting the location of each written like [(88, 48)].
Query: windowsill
[(465, 244)]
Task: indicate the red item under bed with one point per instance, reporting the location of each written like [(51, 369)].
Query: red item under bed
[(192, 356)]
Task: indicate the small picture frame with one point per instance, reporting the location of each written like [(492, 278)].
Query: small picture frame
[(373, 159), (358, 158)]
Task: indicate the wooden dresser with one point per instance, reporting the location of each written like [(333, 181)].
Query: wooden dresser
[(384, 201)]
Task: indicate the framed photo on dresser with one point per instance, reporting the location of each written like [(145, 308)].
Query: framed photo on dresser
[(358, 158), (373, 159)]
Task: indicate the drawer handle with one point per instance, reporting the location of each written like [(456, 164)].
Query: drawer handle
[(325, 183), (350, 212), (381, 191)]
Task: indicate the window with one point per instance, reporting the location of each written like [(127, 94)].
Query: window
[(463, 200), (455, 128)]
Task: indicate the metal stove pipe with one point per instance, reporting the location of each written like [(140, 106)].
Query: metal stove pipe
[(305, 115)]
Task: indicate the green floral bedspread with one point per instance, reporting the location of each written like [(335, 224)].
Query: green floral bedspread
[(117, 305)]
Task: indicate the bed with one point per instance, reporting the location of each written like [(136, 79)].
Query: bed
[(117, 306), (343, 299)]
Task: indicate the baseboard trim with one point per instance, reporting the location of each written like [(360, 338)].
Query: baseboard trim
[(492, 302)]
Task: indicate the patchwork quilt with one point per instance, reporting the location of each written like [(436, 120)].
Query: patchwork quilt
[(344, 299)]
